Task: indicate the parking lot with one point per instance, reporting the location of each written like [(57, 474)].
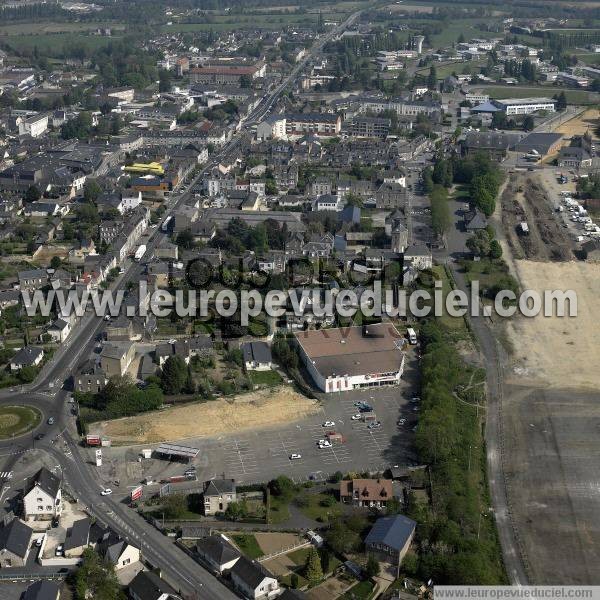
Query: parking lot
[(263, 454)]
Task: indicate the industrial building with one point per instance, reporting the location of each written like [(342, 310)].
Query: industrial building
[(355, 357)]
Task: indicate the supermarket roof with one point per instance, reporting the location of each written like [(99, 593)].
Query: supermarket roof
[(353, 350)]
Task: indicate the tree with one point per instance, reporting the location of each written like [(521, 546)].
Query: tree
[(325, 559), (32, 194), (440, 210), (185, 239), (91, 190), (341, 538), (174, 375), (175, 506), (495, 250), (96, 579), (282, 486), (236, 511), (372, 567), (55, 262), (528, 123), (164, 81), (313, 571), (561, 101), (432, 78), (479, 243)]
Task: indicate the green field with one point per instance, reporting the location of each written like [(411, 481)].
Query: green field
[(507, 91), (360, 591), (247, 543), (52, 28), (17, 420), (51, 44)]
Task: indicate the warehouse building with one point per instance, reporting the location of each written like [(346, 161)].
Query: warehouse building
[(525, 106), (355, 357)]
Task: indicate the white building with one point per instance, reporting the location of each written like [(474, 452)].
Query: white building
[(253, 580), (272, 127), (35, 126), (42, 497), (525, 106), (476, 99), (356, 357)]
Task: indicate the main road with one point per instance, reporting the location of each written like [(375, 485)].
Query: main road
[(48, 395)]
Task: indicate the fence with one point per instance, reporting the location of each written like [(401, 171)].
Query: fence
[(283, 551)]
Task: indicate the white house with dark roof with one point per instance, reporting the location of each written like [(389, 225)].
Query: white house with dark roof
[(15, 542), (42, 497), (257, 356), (218, 493), (118, 551), (253, 581), (216, 552), (29, 356), (147, 585)]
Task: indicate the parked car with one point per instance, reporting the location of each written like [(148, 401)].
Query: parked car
[(106, 492), (295, 456), (356, 417), (374, 425), (328, 424), (324, 444), (59, 550), (50, 420)]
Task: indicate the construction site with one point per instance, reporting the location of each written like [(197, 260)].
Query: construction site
[(550, 408)]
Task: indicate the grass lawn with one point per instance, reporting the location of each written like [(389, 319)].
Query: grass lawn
[(17, 420), (247, 543), (265, 377), (461, 193), (361, 590), (315, 511), (299, 556), (279, 510)]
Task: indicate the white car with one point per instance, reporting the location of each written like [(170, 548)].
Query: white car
[(106, 492), (356, 417), (324, 444), (295, 456), (328, 424)]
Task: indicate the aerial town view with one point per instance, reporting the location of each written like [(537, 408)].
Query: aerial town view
[(299, 300)]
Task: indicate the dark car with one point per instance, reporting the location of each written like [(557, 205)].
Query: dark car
[(39, 436)]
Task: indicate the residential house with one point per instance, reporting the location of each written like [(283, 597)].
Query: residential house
[(59, 330), (90, 378), (77, 538), (257, 356), (118, 551), (390, 537), (218, 493), (370, 493), (216, 552), (147, 585), (116, 358), (475, 220), (33, 279), (15, 542), (44, 589), (29, 356), (253, 581), (419, 255), (42, 496)]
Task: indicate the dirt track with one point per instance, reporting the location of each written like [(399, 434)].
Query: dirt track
[(250, 411)]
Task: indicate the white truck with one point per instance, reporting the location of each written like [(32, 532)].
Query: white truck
[(141, 250), (412, 336)]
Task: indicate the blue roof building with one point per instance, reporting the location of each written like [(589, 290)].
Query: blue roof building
[(391, 537)]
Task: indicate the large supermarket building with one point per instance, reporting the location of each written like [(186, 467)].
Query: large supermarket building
[(352, 357)]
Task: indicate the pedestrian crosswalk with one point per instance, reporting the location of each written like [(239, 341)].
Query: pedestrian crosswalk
[(6, 474)]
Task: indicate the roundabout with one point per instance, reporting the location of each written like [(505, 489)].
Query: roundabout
[(18, 420)]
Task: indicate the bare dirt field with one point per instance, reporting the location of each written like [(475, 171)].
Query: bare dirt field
[(524, 200), (275, 542), (554, 351), (332, 588), (251, 411), (587, 121), (551, 420)]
